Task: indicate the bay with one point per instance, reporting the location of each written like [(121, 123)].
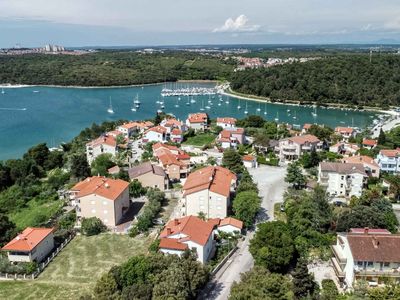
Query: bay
[(31, 115)]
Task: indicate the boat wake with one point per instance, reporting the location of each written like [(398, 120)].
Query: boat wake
[(13, 108)]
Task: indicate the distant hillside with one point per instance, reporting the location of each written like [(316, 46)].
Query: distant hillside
[(347, 79), (112, 68)]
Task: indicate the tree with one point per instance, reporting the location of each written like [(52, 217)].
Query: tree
[(295, 176), (260, 139), (232, 160), (136, 189), (381, 138), (92, 226), (321, 132), (5, 177), (101, 164), (106, 288), (55, 160), (7, 229), (259, 283), (309, 160), (38, 153), (79, 166), (136, 270), (361, 217), (272, 246), (303, 282), (329, 290), (246, 206)]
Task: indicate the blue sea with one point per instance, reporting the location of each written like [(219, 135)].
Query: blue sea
[(32, 115)]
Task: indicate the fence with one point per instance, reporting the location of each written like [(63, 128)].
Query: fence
[(221, 264), (42, 265)]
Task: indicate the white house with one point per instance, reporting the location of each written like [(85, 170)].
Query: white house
[(230, 225), (389, 160), (293, 147), (155, 134), (342, 179), (371, 255), (226, 123), (186, 233), (198, 121), (32, 245), (250, 161), (346, 132), (231, 138), (104, 144)]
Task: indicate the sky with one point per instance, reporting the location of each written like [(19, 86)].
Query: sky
[(31, 23)]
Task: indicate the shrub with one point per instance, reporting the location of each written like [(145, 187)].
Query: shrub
[(92, 226)]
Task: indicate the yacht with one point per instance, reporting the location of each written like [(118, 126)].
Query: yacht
[(258, 109), (265, 108), (246, 111), (239, 107), (137, 102), (110, 108), (295, 117), (277, 117), (2, 91), (314, 113)]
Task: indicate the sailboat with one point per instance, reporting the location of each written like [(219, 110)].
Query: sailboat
[(133, 108), (192, 100), (295, 117), (176, 105), (137, 102), (202, 107), (314, 113), (265, 108), (277, 117), (188, 102), (259, 109), (2, 91), (227, 101), (246, 111), (239, 107), (110, 108)]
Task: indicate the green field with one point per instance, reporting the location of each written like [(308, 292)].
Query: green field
[(75, 270), (200, 139)]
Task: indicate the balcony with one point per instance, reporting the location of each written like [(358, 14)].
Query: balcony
[(387, 272), (337, 251), (337, 268)]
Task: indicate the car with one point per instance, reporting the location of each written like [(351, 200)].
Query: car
[(134, 151), (282, 207)]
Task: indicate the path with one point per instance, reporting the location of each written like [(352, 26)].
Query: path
[(271, 184)]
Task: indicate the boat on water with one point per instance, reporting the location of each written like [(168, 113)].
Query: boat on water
[(314, 113), (259, 108), (192, 100), (295, 117), (36, 92), (2, 91), (277, 117), (137, 101), (202, 106), (265, 108), (239, 107), (110, 109), (246, 111)]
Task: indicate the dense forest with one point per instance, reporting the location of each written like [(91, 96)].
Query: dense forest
[(345, 79), (112, 68)]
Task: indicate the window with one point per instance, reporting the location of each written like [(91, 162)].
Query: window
[(104, 202), (92, 202), (386, 264), (342, 177), (370, 264), (93, 211)]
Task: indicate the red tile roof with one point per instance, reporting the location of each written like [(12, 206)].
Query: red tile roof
[(231, 121), (192, 227), (28, 239), (158, 129), (158, 146), (248, 158), (390, 153), (167, 158), (368, 142), (102, 186), (307, 126), (104, 139), (197, 118), (369, 231), (231, 221), (361, 159), (173, 244), (303, 139), (176, 131), (344, 130), (216, 179)]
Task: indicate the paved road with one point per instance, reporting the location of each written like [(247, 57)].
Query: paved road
[(271, 184)]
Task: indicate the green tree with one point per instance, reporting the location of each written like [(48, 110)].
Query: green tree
[(101, 164), (232, 160), (7, 229), (260, 139), (106, 288), (92, 226), (246, 206), (304, 284), (321, 132), (54, 160), (310, 160), (39, 154), (136, 270), (136, 189), (272, 246), (382, 138), (295, 176), (329, 290), (79, 166), (259, 283)]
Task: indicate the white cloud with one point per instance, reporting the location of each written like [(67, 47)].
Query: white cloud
[(237, 25)]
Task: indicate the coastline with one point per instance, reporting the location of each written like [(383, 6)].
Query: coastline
[(14, 86), (233, 94)]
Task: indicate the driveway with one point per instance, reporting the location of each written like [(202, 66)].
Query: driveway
[(272, 185)]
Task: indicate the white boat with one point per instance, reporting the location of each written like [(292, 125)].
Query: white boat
[(2, 91), (239, 107), (246, 111), (295, 117), (208, 107), (277, 117), (219, 104), (159, 111), (259, 109), (137, 102), (314, 113), (192, 101), (265, 108), (202, 107), (36, 91), (110, 108)]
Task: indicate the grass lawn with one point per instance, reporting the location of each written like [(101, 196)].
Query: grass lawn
[(278, 214), (35, 214), (75, 270), (200, 139)]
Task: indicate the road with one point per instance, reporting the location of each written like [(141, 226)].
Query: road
[(271, 184)]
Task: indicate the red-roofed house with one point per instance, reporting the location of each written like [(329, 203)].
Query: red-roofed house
[(176, 135), (173, 124), (155, 134), (226, 123), (208, 190), (345, 132), (101, 197), (370, 144), (344, 148), (174, 161), (306, 127), (293, 147), (370, 166), (198, 121), (128, 129), (185, 233), (371, 255), (389, 160), (33, 244), (231, 138), (104, 144), (250, 161), (230, 225)]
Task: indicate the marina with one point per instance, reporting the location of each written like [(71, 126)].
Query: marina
[(55, 115)]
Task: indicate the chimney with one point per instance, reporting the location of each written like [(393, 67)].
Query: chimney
[(106, 185), (176, 222), (169, 231), (366, 230)]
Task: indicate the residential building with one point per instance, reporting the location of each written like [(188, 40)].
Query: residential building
[(342, 179), (149, 175), (227, 123), (231, 138), (188, 233), (343, 148), (208, 190), (229, 225), (306, 128), (176, 135), (197, 121), (171, 124), (369, 144), (250, 161), (155, 134), (101, 197), (389, 160), (128, 129), (32, 245), (370, 166), (104, 144), (345, 132), (371, 255), (293, 147), (114, 170)]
